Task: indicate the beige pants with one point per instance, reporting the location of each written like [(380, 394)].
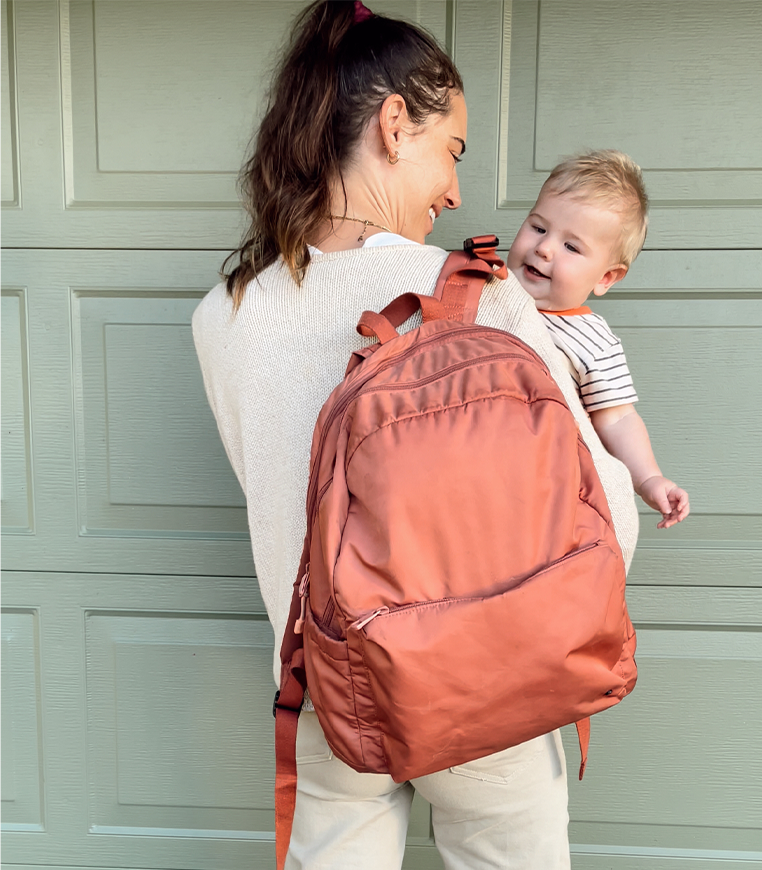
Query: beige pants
[(508, 810)]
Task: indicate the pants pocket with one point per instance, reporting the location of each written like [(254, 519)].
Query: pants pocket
[(311, 745), (502, 766)]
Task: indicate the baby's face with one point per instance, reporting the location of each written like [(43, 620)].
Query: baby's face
[(565, 250)]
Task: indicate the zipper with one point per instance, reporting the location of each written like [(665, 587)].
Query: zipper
[(328, 614), (411, 385), (304, 586), (313, 497), (362, 621), (463, 364)]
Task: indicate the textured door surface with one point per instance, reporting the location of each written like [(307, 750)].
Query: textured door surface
[(136, 653)]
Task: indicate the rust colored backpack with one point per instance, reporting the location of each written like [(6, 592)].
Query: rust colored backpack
[(461, 588)]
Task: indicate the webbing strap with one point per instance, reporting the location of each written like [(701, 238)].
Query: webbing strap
[(462, 279), (287, 708), (583, 733), (455, 297), (384, 324)]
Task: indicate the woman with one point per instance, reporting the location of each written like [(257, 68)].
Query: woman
[(354, 161)]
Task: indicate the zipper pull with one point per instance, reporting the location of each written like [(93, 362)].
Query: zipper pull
[(303, 588), (364, 620)]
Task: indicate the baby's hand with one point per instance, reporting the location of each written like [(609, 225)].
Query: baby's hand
[(666, 497)]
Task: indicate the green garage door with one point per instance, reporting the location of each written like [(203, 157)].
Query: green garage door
[(135, 650)]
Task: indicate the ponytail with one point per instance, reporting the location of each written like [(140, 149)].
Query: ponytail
[(339, 67)]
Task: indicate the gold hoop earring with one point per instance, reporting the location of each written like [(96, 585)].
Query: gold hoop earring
[(389, 158)]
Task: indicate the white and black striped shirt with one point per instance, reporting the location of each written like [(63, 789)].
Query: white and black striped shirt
[(596, 356)]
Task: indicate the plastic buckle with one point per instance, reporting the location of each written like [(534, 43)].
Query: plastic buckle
[(481, 243), (277, 706)]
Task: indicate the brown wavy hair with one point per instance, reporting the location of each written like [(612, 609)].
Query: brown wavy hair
[(334, 76)]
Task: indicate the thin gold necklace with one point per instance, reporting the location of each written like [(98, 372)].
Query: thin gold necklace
[(360, 221)]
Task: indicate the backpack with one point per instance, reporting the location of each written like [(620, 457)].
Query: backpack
[(461, 588)]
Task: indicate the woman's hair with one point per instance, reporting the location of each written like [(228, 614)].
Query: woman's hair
[(610, 179), (341, 64)]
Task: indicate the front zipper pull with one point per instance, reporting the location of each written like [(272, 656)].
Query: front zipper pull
[(303, 587), (364, 620)]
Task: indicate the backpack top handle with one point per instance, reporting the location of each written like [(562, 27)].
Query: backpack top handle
[(456, 295)]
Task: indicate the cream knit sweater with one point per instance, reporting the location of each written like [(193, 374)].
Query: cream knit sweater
[(268, 369)]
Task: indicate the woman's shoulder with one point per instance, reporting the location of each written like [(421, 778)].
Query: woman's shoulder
[(505, 304), (211, 306)]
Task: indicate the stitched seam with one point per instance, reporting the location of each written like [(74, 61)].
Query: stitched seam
[(375, 705), (421, 414), (462, 770), (357, 715)]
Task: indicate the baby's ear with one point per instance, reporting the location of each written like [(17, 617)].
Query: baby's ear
[(609, 279)]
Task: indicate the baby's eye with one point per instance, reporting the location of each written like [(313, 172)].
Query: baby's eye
[(455, 157), (538, 229), (571, 248)]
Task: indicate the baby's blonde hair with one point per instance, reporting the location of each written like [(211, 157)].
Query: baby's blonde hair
[(611, 179)]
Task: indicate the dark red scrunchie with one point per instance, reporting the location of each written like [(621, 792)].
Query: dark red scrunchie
[(362, 13)]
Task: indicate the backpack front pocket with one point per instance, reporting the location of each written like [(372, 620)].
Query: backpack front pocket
[(461, 678)]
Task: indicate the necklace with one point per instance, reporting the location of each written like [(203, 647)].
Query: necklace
[(360, 221)]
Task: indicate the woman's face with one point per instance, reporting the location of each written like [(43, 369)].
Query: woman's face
[(426, 174)]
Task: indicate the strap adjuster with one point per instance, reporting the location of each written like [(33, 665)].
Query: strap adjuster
[(277, 706), (481, 243)]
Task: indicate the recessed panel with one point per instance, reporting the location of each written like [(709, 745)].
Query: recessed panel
[(22, 777), (652, 79), (155, 421), (196, 121), (17, 513), (9, 153), (180, 731), (173, 127), (647, 78), (677, 764), (693, 363), (148, 449)]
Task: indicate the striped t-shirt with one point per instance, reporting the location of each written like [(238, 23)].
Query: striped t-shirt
[(596, 357)]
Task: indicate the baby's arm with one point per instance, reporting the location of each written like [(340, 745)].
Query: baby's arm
[(624, 435)]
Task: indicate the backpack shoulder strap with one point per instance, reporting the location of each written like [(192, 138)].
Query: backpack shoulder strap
[(464, 274), (456, 295)]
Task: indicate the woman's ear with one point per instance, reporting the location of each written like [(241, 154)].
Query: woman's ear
[(392, 119), (611, 277)]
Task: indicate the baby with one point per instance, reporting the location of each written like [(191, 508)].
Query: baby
[(588, 225)]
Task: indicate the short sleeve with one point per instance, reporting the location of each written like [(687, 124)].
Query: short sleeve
[(606, 380), (596, 357)]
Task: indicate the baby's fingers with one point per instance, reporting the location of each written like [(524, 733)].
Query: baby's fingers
[(667, 521), (680, 504)]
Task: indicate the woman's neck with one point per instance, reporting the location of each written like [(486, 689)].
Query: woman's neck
[(360, 208), (345, 235)]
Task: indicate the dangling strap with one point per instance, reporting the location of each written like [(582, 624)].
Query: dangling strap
[(583, 733), (286, 708)]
